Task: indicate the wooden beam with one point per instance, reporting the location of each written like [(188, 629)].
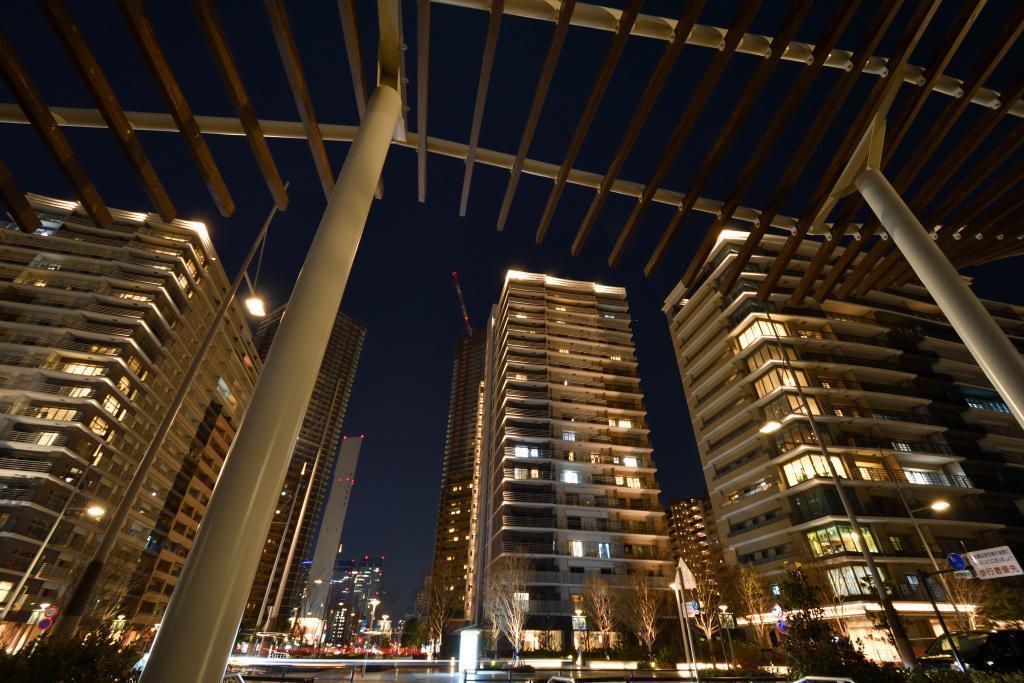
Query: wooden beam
[(63, 25), (771, 135), (486, 64), (908, 113), (687, 20), (876, 105), (737, 116), (422, 81), (687, 120), (540, 94), (812, 138), (354, 52), (217, 41), (289, 52), (604, 77), (16, 203), (145, 37), (31, 102)]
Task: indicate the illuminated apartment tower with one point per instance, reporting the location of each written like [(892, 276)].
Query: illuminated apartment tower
[(908, 416), (96, 326), (570, 481), (355, 583), (457, 518), (694, 535), (277, 589)]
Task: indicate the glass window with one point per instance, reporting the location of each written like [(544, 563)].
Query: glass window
[(47, 438), (80, 392), (56, 413), (83, 369), (570, 476), (631, 461), (779, 377), (568, 436), (852, 580), (576, 548), (837, 539), (633, 482), (758, 330), (811, 466), (604, 550)]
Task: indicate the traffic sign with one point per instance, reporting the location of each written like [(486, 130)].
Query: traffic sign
[(956, 561), (51, 611), (995, 563), (44, 623), (777, 611), (964, 574), (781, 626)]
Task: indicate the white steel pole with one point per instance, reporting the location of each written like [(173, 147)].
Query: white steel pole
[(202, 617), (997, 357)]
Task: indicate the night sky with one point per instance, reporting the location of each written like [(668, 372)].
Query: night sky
[(401, 287)]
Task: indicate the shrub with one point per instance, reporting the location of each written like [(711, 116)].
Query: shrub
[(92, 658)]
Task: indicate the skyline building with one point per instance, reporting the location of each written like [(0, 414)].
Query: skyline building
[(275, 598), (355, 583), (908, 418), (694, 534), (457, 518), (569, 480), (96, 324)]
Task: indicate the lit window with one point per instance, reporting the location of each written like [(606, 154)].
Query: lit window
[(80, 392), (576, 548), (56, 414), (604, 550), (5, 589), (616, 357), (47, 438), (633, 482), (521, 376), (571, 477), (760, 329), (568, 436), (111, 405), (99, 426), (83, 369), (563, 350), (631, 461)]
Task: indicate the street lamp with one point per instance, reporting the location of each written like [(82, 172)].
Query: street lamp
[(939, 506), (579, 625), (256, 307), (723, 624)]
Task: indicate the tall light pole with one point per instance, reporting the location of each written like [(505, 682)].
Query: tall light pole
[(899, 633), (723, 625), (684, 624)]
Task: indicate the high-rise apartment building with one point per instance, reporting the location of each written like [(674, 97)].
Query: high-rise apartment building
[(97, 324), (569, 475), (908, 417), (457, 518), (694, 534), (355, 584), (276, 595)]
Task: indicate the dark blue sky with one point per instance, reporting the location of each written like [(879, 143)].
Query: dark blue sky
[(401, 287)]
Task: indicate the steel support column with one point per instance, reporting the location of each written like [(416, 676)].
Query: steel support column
[(988, 344), (202, 617)]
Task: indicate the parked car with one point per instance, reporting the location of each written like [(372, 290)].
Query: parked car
[(982, 650)]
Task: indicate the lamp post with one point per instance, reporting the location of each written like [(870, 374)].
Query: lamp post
[(684, 626), (935, 506), (724, 625), (899, 633), (373, 602)]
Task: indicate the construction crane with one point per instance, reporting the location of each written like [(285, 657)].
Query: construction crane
[(462, 303)]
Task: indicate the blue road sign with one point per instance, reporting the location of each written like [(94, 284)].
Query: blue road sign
[(781, 626), (956, 561)]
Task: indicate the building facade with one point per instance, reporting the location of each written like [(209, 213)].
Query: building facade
[(908, 417), (694, 534), (355, 584), (96, 324), (455, 540), (280, 582), (569, 475)]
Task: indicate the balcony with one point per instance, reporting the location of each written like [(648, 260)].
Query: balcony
[(913, 478)]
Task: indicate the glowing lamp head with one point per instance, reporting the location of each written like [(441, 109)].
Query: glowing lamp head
[(940, 505), (256, 307), (675, 585), (770, 427), (96, 511)]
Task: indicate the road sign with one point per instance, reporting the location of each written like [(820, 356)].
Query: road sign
[(51, 611), (964, 574), (781, 626), (956, 561), (730, 621), (995, 563), (777, 611), (691, 608), (44, 624)]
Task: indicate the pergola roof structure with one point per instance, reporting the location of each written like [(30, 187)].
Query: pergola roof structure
[(953, 145)]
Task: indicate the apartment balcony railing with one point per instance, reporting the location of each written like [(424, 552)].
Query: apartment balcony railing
[(726, 438), (19, 493), (25, 464), (746, 528), (881, 415), (613, 525), (766, 485), (589, 549), (830, 383), (913, 478), (529, 522), (592, 457), (523, 497), (783, 446), (580, 578), (852, 360), (578, 500)]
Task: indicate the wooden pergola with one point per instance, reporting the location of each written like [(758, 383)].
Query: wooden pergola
[(963, 172)]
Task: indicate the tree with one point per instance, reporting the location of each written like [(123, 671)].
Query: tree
[(508, 597), (442, 602), (640, 605), (968, 592), (830, 593), (754, 600), (600, 606), (414, 633), (89, 658), (1003, 604)]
